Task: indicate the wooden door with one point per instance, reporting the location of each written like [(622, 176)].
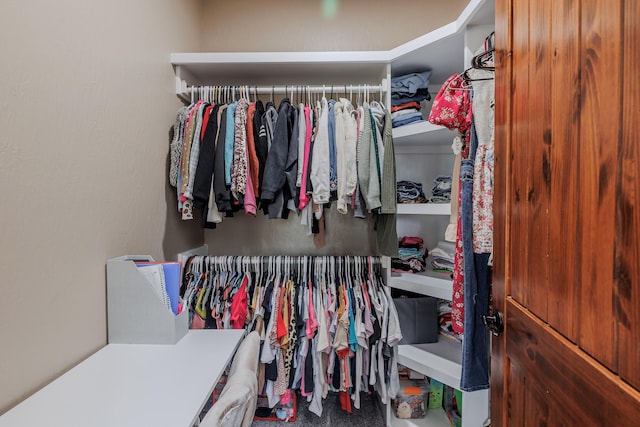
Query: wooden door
[(567, 213)]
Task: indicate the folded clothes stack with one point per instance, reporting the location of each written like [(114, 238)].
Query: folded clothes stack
[(407, 92), (442, 256), (444, 320), (411, 256), (410, 192), (441, 190)]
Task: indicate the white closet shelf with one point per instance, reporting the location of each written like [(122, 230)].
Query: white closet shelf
[(434, 418), (441, 361), (423, 133), (428, 283), (439, 50), (424, 208), (280, 68)]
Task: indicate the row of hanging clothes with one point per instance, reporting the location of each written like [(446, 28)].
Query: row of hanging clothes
[(330, 323), (231, 152), (466, 103)]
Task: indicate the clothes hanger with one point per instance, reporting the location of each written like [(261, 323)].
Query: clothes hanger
[(485, 59)]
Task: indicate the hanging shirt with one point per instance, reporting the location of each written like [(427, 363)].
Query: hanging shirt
[(176, 145), (347, 173), (253, 163), (274, 175), (239, 306), (204, 170), (302, 130), (368, 177), (333, 162), (320, 167), (223, 196), (239, 162), (482, 104), (304, 196), (229, 141), (195, 151)]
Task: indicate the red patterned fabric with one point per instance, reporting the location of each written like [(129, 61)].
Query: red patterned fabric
[(457, 299), (452, 106)]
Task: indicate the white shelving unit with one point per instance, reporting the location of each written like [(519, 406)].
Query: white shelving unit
[(424, 209), (429, 282), (423, 151), (419, 147)]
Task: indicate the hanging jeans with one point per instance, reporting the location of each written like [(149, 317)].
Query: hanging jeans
[(475, 359)]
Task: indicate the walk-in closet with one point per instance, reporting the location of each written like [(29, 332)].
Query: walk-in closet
[(330, 213)]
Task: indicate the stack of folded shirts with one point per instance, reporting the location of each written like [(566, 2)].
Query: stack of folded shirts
[(410, 192), (442, 256), (441, 190), (410, 256), (407, 92)]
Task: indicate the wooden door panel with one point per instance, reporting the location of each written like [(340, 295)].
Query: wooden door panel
[(537, 156), (563, 376), (565, 79), (627, 269), (519, 194), (597, 169), (529, 406), (567, 213)]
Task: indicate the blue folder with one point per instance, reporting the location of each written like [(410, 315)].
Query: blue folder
[(172, 280)]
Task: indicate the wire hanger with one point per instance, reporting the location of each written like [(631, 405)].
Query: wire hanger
[(485, 59)]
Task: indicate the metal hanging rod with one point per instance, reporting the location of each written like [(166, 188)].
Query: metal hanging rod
[(286, 89), (189, 93)]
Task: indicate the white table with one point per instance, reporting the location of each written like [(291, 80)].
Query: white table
[(133, 385)]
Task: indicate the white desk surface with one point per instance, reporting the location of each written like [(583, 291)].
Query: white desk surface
[(137, 385)]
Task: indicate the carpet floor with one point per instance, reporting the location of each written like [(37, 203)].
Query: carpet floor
[(370, 414)]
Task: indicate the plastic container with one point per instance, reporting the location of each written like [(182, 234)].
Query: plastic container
[(412, 399)]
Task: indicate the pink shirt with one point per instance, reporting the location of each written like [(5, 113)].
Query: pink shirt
[(304, 197)]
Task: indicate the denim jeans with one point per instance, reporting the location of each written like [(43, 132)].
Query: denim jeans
[(475, 360), (408, 84)]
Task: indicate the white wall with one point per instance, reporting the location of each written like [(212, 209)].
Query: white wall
[(86, 104)]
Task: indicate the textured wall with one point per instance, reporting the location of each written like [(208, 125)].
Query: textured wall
[(294, 25), (87, 103)]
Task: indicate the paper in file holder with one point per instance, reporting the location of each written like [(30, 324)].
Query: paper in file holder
[(135, 314)]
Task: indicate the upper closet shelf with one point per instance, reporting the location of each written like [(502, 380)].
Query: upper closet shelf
[(423, 133), (440, 49), (281, 68), (339, 67)]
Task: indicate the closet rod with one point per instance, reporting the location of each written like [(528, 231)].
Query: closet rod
[(282, 260), (282, 89)]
